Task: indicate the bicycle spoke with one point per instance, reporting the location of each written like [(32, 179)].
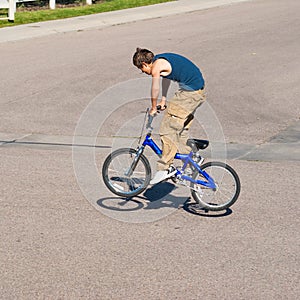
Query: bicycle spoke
[(116, 173), (227, 190)]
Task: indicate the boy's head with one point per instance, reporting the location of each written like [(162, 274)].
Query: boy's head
[(142, 59)]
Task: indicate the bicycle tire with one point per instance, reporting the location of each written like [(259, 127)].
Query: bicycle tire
[(226, 179), (114, 169)]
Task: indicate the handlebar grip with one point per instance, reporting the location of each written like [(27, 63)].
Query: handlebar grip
[(158, 107), (151, 117)]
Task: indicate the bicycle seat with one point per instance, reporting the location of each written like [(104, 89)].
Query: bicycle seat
[(196, 144)]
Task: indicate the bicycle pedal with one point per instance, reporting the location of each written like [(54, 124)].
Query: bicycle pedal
[(173, 176), (174, 179)]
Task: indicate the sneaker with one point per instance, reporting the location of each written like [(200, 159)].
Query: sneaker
[(159, 176), (162, 175)]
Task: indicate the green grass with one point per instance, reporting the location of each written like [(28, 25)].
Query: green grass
[(62, 13)]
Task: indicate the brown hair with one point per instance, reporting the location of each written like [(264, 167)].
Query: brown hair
[(142, 56)]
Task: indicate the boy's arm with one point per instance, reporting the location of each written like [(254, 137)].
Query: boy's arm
[(165, 87), (155, 89)]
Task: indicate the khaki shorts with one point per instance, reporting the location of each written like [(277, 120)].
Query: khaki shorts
[(175, 124)]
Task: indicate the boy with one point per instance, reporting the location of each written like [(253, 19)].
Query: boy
[(180, 110)]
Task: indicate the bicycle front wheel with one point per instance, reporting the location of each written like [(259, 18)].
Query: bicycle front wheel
[(126, 174), (227, 190)]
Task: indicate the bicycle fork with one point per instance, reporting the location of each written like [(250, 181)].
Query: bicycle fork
[(135, 161)]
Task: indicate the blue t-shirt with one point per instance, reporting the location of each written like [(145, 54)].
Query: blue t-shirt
[(187, 74)]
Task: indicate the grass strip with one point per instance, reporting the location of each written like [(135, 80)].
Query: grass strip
[(25, 17)]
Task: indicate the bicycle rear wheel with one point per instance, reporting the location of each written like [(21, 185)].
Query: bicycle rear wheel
[(115, 168), (227, 191)]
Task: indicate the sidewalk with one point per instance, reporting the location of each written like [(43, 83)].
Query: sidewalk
[(282, 147), (103, 20)]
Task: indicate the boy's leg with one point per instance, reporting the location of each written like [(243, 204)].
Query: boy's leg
[(170, 131), (191, 103), (174, 128), (169, 149), (168, 135)]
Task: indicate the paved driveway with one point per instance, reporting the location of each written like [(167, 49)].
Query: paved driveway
[(57, 245)]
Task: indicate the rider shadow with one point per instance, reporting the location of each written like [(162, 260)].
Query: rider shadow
[(160, 195), (163, 195)]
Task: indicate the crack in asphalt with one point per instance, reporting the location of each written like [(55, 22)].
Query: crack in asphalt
[(28, 143), (270, 151), (284, 146)]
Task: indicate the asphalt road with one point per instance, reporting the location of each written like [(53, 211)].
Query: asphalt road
[(60, 241)]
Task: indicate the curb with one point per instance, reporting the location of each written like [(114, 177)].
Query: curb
[(102, 20)]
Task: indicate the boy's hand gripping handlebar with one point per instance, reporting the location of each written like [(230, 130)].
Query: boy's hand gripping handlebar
[(151, 117)]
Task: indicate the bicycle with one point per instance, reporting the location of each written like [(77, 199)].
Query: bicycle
[(214, 185)]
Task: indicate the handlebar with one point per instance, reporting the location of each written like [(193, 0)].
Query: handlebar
[(151, 117), (158, 107)]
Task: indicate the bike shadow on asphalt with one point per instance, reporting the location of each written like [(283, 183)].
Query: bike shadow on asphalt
[(164, 189), (162, 195), (159, 196), (194, 209)]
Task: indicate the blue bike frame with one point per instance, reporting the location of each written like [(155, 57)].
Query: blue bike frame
[(187, 159)]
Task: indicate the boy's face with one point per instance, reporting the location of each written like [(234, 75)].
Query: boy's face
[(146, 68)]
